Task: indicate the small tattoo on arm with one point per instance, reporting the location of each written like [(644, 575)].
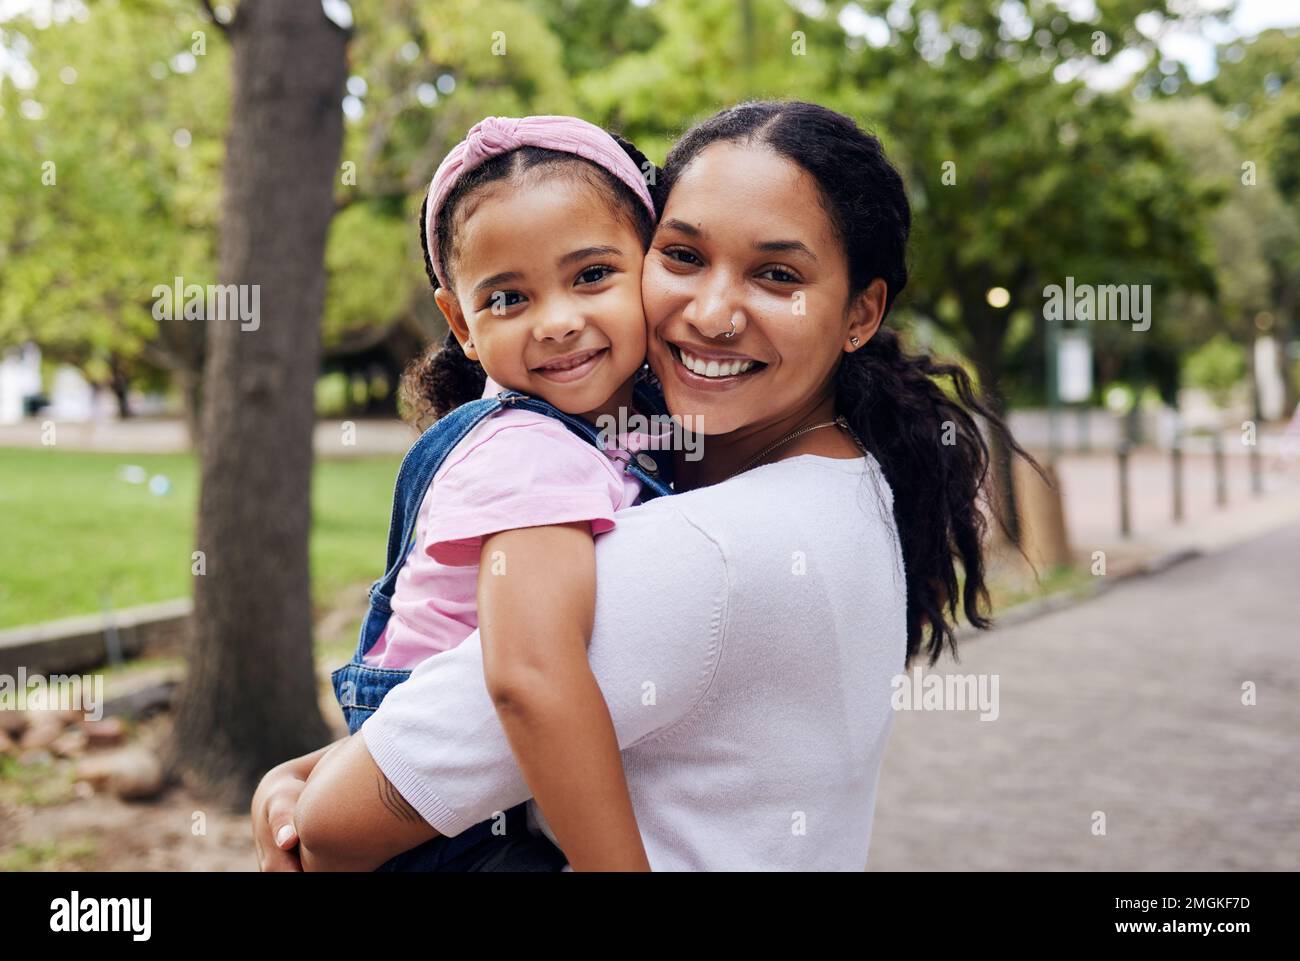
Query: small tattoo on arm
[(397, 805)]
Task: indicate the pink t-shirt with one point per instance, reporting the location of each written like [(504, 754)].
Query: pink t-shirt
[(515, 469)]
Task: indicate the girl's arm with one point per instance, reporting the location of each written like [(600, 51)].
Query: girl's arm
[(660, 617), (536, 603), (536, 600)]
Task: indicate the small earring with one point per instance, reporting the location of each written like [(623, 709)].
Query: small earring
[(468, 344), (854, 341)]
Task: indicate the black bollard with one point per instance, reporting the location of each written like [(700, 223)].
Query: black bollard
[(1220, 473), (1176, 460), (1125, 523)]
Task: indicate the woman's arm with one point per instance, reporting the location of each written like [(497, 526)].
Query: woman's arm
[(536, 600), (349, 817), (274, 836), (661, 588)]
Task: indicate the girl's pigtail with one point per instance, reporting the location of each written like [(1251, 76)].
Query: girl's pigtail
[(439, 381), (649, 172), (442, 378)]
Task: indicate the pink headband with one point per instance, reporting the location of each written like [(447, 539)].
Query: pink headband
[(493, 136)]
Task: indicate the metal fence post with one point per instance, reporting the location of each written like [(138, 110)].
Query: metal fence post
[(1256, 473), (1176, 456), (1125, 522), (1220, 472)]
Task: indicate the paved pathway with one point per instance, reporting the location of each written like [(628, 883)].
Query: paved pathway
[(1129, 704)]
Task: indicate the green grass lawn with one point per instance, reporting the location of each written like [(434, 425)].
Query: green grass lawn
[(76, 538)]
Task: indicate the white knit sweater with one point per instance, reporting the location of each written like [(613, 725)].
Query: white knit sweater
[(745, 638)]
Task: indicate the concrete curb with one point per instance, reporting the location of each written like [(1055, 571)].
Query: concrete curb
[(77, 643), (1030, 610)]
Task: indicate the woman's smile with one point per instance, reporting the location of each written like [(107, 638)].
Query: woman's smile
[(708, 369)]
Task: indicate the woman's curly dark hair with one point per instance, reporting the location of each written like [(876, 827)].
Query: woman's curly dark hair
[(443, 378), (927, 443)]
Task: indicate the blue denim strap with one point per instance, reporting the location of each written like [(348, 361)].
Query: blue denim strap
[(427, 454), (649, 398), (652, 472), (416, 474)]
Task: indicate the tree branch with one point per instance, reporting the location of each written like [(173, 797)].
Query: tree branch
[(212, 15)]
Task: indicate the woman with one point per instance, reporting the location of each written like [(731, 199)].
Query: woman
[(748, 628)]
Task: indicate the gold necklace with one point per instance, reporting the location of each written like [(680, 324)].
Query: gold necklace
[(838, 421)]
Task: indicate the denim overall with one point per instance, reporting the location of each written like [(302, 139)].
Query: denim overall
[(360, 688)]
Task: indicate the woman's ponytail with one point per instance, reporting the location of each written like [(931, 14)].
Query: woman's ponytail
[(936, 461), (442, 378)]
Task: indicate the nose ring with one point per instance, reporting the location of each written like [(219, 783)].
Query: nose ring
[(731, 333)]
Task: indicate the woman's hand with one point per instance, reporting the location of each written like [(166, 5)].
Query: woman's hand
[(274, 836)]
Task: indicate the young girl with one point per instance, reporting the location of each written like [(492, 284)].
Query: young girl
[(534, 231)]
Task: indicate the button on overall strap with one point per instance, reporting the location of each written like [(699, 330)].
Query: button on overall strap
[(652, 472)]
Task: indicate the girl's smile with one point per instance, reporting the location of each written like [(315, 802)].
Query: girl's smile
[(572, 366)]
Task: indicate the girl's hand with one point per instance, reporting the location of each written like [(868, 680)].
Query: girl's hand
[(274, 836)]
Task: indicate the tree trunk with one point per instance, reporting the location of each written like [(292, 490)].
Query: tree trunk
[(250, 697), (179, 349), (190, 384), (121, 389), (182, 349), (1000, 455), (987, 334), (1287, 328)]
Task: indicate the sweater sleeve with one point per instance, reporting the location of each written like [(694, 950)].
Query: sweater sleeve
[(661, 594)]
